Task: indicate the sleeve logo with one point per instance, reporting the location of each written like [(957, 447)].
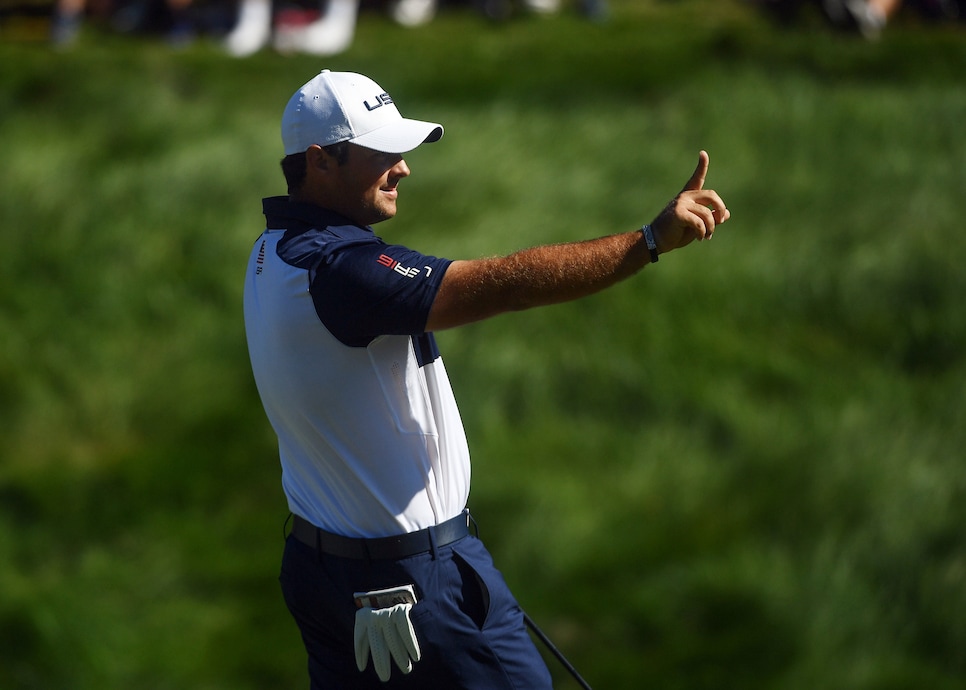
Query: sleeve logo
[(260, 261), (408, 272)]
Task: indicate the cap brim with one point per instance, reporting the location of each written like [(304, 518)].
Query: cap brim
[(400, 136)]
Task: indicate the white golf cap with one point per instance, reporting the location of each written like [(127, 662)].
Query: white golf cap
[(344, 106)]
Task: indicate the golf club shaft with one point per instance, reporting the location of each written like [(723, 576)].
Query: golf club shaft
[(553, 650)]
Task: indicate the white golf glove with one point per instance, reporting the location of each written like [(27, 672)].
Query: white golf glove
[(384, 629)]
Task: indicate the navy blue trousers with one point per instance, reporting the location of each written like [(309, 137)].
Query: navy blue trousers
[(470, 628)]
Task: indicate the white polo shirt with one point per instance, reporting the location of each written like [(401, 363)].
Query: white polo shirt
[(370, 438)]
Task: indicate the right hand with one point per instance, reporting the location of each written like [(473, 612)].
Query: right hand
[(693, 214)]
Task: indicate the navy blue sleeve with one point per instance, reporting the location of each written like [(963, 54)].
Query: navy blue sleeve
[(364, 290)]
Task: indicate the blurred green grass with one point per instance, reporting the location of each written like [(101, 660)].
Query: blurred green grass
[(742, 468)]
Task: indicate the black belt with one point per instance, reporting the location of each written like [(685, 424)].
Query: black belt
[(382, 548)]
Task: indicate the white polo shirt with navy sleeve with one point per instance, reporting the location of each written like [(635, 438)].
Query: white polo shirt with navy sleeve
[(370, 438)]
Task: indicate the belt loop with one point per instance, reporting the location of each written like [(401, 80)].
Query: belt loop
[(432, 542), (471, 522)]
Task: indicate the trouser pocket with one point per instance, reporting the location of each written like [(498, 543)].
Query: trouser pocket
[(475, 601)]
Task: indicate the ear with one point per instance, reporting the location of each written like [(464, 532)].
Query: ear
[(318, 160)]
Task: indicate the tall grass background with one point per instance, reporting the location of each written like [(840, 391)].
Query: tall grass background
[(742, 468)]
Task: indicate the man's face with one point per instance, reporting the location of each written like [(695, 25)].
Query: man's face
[(366, 185)]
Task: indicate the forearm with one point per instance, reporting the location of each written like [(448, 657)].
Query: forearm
[(474, 290), (549, 274)]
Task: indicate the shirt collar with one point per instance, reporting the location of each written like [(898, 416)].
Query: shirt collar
[(282, 213)]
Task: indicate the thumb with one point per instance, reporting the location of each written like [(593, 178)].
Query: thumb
[(700, 172)]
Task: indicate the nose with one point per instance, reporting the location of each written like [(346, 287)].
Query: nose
[(400, 169)]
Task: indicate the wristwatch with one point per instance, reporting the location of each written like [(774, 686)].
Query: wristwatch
[(651, 244)]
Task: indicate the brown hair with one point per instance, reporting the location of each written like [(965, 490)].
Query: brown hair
[(293, 165)]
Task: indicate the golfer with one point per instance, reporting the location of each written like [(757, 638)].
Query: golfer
[(382, 571)]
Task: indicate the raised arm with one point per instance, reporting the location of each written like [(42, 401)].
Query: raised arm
[(478, 289)]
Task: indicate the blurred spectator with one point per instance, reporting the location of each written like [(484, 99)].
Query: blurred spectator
[(326, 31), (500, 10), (868, 16), (170, 16), (330, 29), (413, 12), (66, 21), (316, 27)]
